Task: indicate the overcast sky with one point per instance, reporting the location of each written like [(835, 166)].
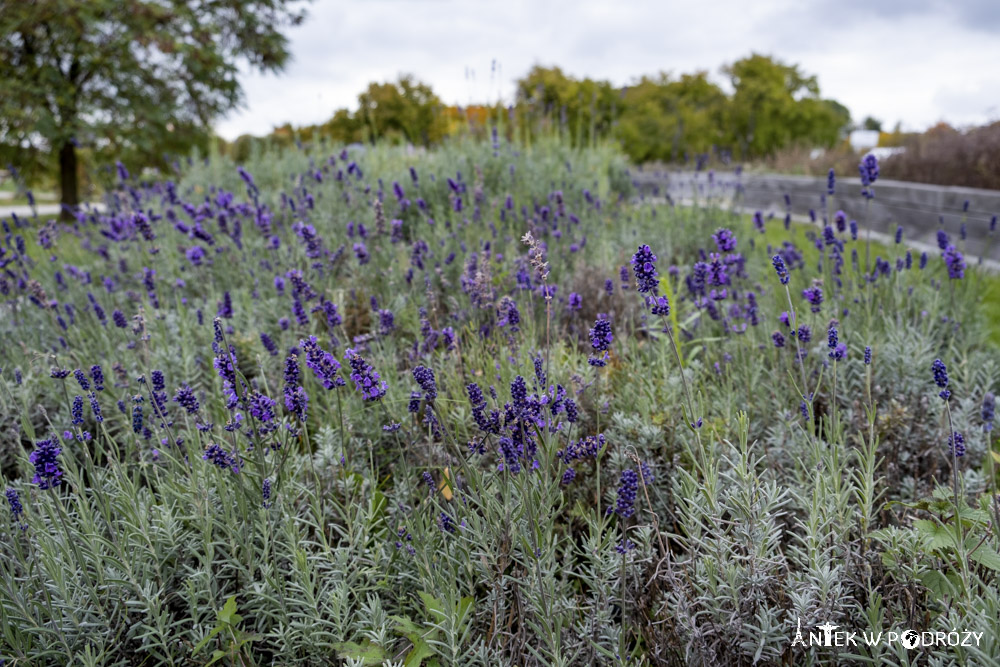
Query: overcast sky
[(915, 61)]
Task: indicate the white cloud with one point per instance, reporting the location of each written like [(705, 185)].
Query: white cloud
[(918, 61)]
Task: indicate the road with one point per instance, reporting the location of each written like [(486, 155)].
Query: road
[(42, 210)]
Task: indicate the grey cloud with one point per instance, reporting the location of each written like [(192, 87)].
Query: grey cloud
[(914, 60)]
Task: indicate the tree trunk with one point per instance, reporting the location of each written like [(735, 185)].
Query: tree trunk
[(69, 185)]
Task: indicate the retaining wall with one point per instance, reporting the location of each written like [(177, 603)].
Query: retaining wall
[(921, 209)]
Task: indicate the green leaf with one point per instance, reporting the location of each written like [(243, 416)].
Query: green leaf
[(434, 606), (368, 653), (200, 645), (937, 583), (216, 656), (418, 653), (228, 613), (936, 535), (986, 556), (464, 605), (377, 508), (404, 626)]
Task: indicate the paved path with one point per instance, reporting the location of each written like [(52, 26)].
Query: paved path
[(971, 260), (42, 210)]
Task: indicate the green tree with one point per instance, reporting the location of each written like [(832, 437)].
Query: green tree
[(871, 123), (126, 78), (582, 110), (664, 119), (774, 105), (407, 110)]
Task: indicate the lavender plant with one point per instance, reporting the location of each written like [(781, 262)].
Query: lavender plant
[(481, 406)]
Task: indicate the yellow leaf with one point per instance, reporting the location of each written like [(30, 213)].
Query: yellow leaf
[(444, 487)]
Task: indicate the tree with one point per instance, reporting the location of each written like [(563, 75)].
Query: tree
[(871, 123), (664, 119), (129, 79), (774, 105), (407, 110), (584, 109)]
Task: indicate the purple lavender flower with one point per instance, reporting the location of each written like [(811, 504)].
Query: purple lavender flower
[(48, 472), (624, 546), (324, 365), (97, 375), (989, 410), (186, 399), (661, 305), (724, 239), (387, 322), (840, 220), (814, 295), (265, 493), (77, 410), (838, 351), (955, 262), (226, 306), (223, 459), (868, 356), (956, 445), (296, 398), (831, 182), (829, 237), (148, 276), (627, 487), (425, 378), (95, 408), (446, 523), (82, 379), (601, 337), (366, 378), (644, 267), (778, 339), (868, 169), (14, 502), (361, 252), (137, 418), (261, 407), (779, 267), (268, 344), (941, 378)]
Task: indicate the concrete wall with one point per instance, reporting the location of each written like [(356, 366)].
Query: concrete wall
[(917, 207)]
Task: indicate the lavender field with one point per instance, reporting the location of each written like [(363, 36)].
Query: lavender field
[(483, 405)]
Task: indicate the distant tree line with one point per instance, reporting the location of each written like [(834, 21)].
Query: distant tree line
[(769, 106)]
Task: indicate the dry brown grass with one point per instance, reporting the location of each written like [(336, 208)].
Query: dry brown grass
[(940, 156)]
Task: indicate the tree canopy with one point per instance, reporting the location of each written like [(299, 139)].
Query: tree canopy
[(124, 79), (664, 117)]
